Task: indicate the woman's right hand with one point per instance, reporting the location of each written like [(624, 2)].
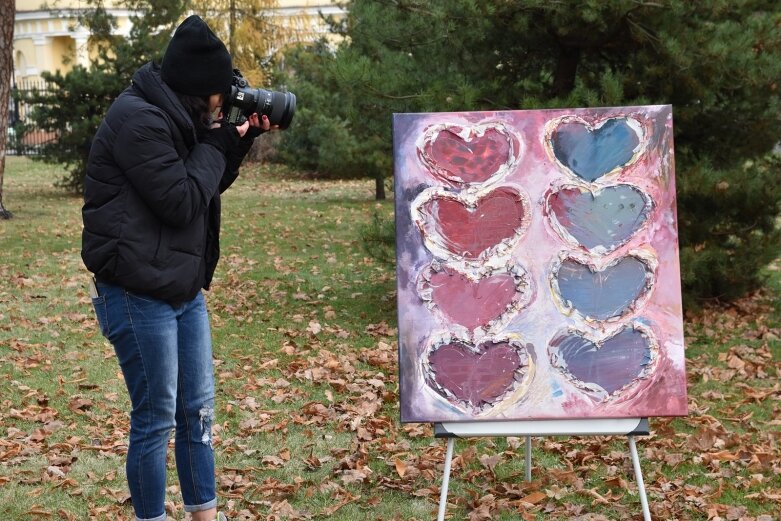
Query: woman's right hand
[(241, 129), (224, 137)]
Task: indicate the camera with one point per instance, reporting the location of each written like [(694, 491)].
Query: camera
[(243, 101)]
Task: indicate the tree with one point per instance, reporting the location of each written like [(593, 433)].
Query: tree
[(74, 108), (718, 63), (253, 36), (7, 12)]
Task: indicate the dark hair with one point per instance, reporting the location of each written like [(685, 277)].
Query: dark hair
[(198, 109)]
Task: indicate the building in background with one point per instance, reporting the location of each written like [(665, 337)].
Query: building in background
[(52, 39)]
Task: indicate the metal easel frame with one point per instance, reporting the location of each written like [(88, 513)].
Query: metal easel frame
[(629, 427)]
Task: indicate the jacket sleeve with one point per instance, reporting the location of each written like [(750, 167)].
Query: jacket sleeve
[(177, 191), (234, 158)]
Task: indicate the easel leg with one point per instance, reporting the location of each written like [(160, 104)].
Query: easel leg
[(639, 476), (445, 480), (528, 458)]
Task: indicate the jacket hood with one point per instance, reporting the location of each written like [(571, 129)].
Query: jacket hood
[(148, 81)]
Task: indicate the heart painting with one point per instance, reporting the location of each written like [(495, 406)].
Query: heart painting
[(475, 302), (471, 227), (600, 220), (591, 151), (602, 293), (557, 227), (610, 364), (465, 155), (477, 375)]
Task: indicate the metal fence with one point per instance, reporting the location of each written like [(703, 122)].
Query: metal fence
[(24, 137)]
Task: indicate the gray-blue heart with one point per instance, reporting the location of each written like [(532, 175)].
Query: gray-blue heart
[(603, 294), (605, 219), (611, 365), (590, 154)]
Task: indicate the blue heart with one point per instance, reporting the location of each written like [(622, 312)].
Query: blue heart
[(590, 154), (602, 294), (610, 364), (601, 220)]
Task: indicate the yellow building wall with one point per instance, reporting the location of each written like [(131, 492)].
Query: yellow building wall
[(49, 41)]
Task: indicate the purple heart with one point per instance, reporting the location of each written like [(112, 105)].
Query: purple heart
[(604, 293), (590, 152), (600, 220), (476, 375), (611, 364)]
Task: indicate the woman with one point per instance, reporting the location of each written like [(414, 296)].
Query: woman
[(151, 215)]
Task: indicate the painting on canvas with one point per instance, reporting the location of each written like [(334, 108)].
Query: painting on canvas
[(537, 264)]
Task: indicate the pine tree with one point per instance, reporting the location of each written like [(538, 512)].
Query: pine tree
[(718, 63), (253, 34), (78, 100)]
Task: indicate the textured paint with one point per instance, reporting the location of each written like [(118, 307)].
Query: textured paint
[(474, 159), (602, 220), (605, 293), (471, 303), (586, 290), (611, 364), (468, 230), (476, 376), (590, 153)]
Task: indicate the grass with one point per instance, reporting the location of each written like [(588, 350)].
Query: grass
[(303, 324)]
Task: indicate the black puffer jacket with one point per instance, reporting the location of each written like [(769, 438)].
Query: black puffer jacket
[(152, 195)]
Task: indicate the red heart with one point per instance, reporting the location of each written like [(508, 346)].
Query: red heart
[(471, 229), (472, 155), (473, 303), (479, 375)]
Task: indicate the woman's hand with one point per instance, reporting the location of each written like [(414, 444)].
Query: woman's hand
[(243, 128), (253, 127), (258, 125), (263, 123)]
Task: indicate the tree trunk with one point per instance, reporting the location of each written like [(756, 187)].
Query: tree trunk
[(379, 187), (566, 71), (7, 11), (232, 29)]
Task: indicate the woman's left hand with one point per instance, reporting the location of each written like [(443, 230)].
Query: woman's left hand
[(262, 122), (258, 125)]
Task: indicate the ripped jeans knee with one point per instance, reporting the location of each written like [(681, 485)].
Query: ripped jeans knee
[(206, 417)]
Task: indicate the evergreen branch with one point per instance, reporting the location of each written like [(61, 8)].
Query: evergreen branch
[(641, 4), (389, 96), (407, 7), (736, 232)]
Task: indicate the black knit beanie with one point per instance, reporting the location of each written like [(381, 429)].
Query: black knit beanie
[(196, 62)]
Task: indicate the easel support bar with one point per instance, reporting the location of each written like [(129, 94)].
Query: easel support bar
[(528, 460), (504, 429), (629, 427), (445, 480), (639, 477)]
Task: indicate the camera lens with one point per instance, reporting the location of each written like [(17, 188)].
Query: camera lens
[(280, 108)]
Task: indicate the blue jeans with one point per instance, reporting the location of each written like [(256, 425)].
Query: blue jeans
[(165, 353)]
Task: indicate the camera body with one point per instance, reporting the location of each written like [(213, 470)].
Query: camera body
[(243, 101)]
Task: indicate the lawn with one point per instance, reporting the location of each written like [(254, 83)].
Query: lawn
[(307, 393)]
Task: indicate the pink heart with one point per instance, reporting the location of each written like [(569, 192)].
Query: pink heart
[(472, 229), (459, 155), (473, 303), (476, 375)]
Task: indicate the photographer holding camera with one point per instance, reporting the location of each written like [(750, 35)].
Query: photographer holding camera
[(157, 166)]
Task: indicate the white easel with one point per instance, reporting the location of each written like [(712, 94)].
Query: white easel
[(629, 427)]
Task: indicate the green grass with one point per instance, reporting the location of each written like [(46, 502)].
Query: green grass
[(307, 428)]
